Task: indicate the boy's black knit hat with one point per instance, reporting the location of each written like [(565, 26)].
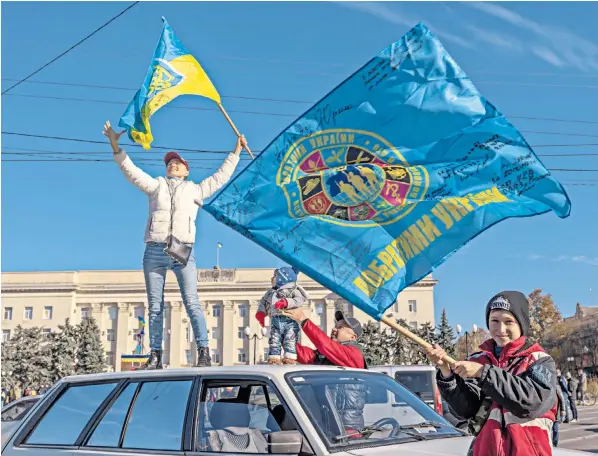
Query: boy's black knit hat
[(514, 302)]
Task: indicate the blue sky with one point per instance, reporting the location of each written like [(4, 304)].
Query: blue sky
[(529, 59)]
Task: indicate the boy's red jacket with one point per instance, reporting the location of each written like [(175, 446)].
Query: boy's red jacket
[(521, 384), (336, 353)]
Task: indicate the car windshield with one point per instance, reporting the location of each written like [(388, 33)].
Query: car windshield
[(354, 409)]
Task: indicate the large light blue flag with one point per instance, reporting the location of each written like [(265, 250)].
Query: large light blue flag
[(390, 173)]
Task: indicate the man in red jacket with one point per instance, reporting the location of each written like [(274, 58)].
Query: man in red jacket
[(340, 349)]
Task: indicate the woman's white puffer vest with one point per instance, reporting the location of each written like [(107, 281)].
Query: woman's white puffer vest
[(188, 196)]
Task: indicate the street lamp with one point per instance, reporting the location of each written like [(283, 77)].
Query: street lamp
[(474, 329), (255, 337), (570, 359)]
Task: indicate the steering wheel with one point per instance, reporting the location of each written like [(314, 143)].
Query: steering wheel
[(389, 420)]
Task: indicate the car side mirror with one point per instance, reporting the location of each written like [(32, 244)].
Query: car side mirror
[(288, 442)]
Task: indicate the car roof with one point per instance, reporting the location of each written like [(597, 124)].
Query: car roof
[(271, 371), (410, 367)]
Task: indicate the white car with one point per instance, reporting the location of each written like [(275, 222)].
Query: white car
[(235, 410)]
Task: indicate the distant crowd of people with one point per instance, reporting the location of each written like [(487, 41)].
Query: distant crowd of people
[(12, 394)]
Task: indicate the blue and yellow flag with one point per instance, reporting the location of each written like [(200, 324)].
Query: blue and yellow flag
[(389, 174), (173, 72), (141, 320)]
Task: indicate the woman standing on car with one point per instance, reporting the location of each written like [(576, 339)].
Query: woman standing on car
[(507, 390), (170, 237)]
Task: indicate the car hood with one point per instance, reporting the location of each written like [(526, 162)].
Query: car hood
[(456, 446)]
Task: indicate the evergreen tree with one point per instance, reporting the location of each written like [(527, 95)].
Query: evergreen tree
[(445, 336), (90, 352), (7, 364), (64, 351), (403, 350), (427, 333), (374, 342), (31, 358)]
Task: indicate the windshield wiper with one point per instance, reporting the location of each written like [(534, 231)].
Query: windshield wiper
[(364, 432), (369, 430), (433, 424)]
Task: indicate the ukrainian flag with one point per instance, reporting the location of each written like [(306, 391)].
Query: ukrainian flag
[(173, 72), (141, 320)]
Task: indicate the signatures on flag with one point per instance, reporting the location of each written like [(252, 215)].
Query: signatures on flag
[(385, 64), (326, 116)]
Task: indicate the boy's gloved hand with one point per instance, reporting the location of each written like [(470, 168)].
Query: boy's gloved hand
[(261, 318), (281, 304)]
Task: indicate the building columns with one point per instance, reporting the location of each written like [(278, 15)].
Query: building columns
[(176, 339), (122, 333)]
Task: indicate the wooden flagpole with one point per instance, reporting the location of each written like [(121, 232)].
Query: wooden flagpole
[(230, 122), (415, 338)]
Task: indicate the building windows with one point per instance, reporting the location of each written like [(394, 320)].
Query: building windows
[(216, 310), (85, 313), (320, 309), (188, 357), (216, 333), (8, 313), (241, 355), (266, 353), (139, 312), (110, 358), (413, 324), (110, 335), (241, 332), (112, 312), (412, 305), (28, 313), (188, 333), (47, 312), (5, 335), (216, 357), (242, 310), (47, 333), (345, 307)]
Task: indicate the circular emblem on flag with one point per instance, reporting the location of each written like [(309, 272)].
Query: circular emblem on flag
[(349, 177)]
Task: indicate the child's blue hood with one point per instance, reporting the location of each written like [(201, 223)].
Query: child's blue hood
[(285, 275)]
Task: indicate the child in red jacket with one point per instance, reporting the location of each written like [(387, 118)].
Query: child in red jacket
[(507, 390)]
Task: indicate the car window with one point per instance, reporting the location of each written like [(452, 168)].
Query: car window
[(158, 415), (241, 423), (107, 433), (420, 383), (17, 411), (68, 415)]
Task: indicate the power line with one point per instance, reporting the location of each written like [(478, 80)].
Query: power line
[(192, 108), (57, 159), (71, 48), (10, 151), (91, 141), (61, 138), (276, 114), (94, 86)]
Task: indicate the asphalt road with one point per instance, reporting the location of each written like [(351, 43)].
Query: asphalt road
[(583, 435)]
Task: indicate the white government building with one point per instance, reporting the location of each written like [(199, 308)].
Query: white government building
[(229, 298)]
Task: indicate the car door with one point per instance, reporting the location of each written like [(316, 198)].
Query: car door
[(251, 418)]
